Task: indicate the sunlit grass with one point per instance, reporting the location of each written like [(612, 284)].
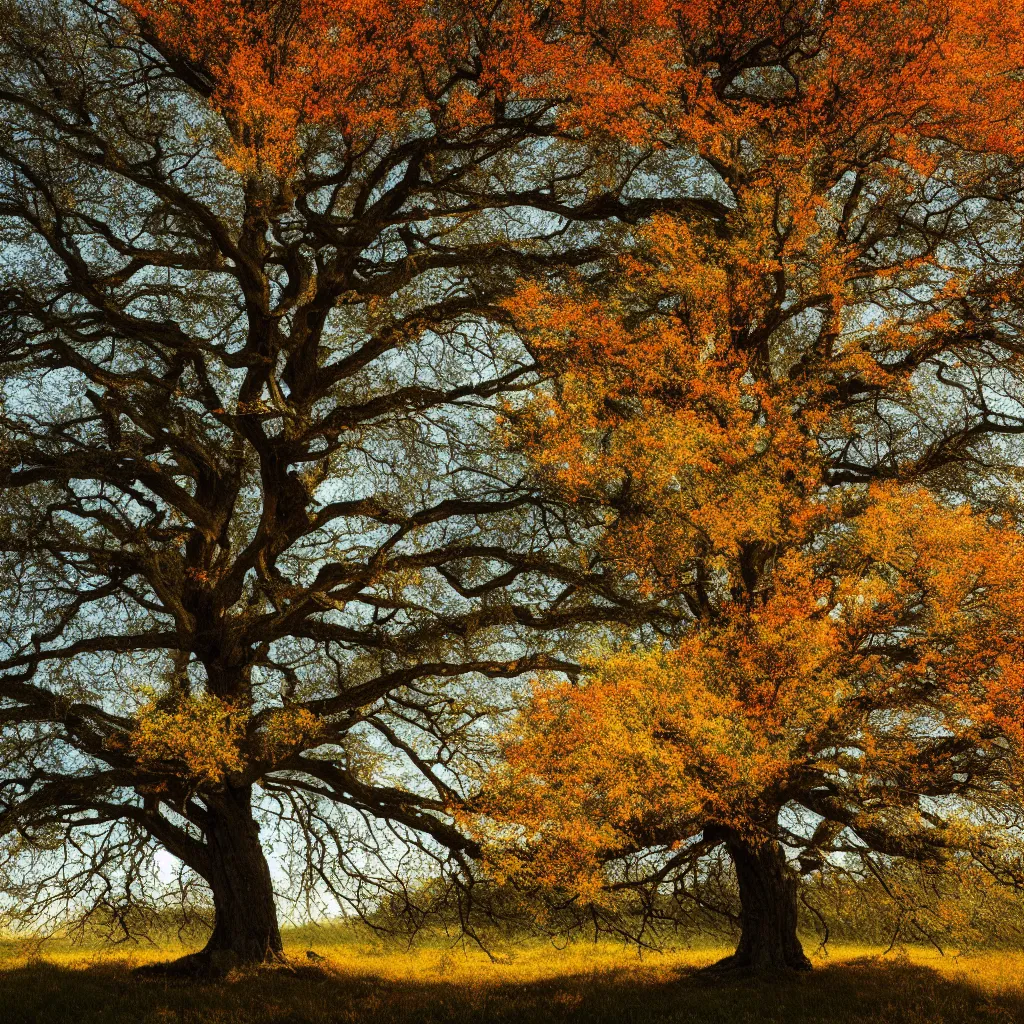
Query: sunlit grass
[(361, 980)]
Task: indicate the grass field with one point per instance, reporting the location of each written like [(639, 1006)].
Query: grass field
[(590, 984)]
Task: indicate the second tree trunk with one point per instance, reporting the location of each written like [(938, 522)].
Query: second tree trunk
[(768, 909)]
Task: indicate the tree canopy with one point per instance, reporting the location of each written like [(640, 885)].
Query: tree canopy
[(361, 359), (797, 415)]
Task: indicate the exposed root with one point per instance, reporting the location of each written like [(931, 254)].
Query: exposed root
[(746, 964), (216, 965)]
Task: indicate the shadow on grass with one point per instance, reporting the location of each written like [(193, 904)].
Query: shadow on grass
[(868, 990)]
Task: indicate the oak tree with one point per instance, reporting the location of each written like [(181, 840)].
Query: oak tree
[(797, 413), (263, 544)]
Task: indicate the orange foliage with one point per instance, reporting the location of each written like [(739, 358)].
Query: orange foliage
[(860, 74), (802, 694)]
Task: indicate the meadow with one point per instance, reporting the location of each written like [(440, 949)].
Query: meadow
[(605, 983)]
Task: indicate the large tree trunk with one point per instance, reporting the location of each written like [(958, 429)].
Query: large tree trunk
[(768, 909), (245, 930), (245, 917)]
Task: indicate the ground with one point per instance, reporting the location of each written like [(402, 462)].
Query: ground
[(585, 983)]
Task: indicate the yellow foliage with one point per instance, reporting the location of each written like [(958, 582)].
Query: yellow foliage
[(288, 728), (199, 738)]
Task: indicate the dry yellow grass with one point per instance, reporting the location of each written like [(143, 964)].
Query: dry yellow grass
[(595, 984)]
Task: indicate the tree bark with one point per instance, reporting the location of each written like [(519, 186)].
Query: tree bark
[(768, 909), (245, 915), (245, 930)]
